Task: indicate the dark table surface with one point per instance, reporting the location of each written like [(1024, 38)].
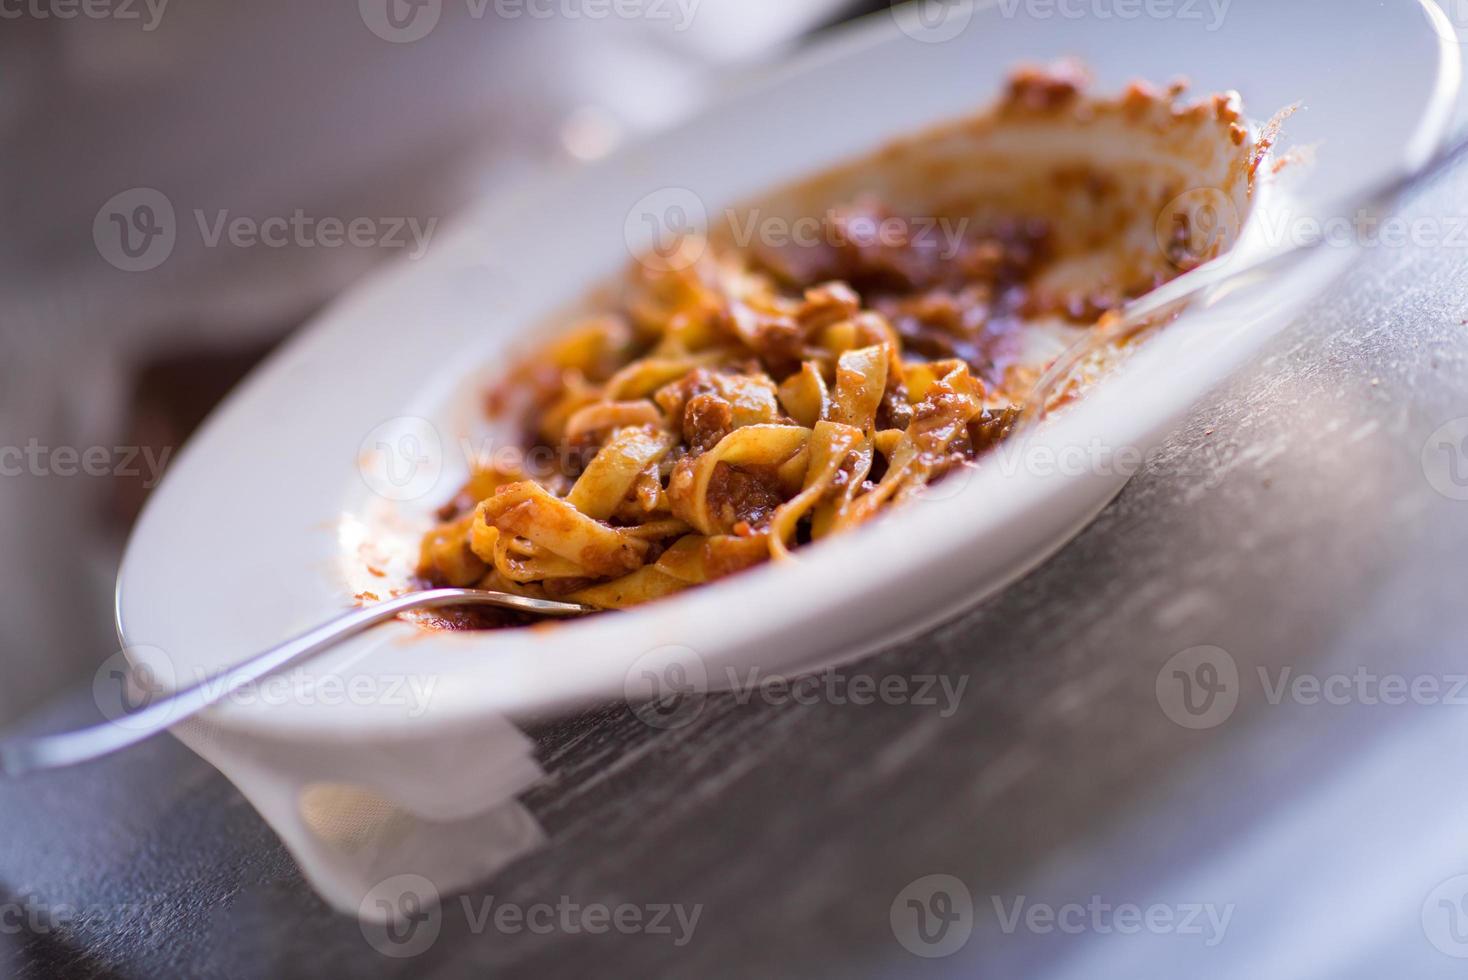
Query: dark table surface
[(1294, 521)]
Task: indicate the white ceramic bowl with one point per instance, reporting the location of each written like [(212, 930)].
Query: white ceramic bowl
[(245, 541)]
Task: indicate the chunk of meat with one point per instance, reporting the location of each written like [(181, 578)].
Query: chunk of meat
[(709, 404), (745, 493)]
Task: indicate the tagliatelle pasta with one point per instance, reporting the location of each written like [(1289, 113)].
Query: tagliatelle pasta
[(718, 419), (731, 405)]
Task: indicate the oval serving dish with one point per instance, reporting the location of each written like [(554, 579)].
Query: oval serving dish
[(276, 516)]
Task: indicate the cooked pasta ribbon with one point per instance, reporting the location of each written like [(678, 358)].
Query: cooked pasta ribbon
[(861, 378), (530, 511), (831, 446), (604, 483), (520, 560), (644, 585)]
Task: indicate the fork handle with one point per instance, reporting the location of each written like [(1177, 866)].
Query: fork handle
[(29, 754)]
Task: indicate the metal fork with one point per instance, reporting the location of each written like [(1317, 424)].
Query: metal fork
[(29, 754)]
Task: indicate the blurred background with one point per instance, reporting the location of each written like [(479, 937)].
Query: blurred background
[(223, 108)]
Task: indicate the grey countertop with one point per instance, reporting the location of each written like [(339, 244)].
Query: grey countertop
[(1294, 522)]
